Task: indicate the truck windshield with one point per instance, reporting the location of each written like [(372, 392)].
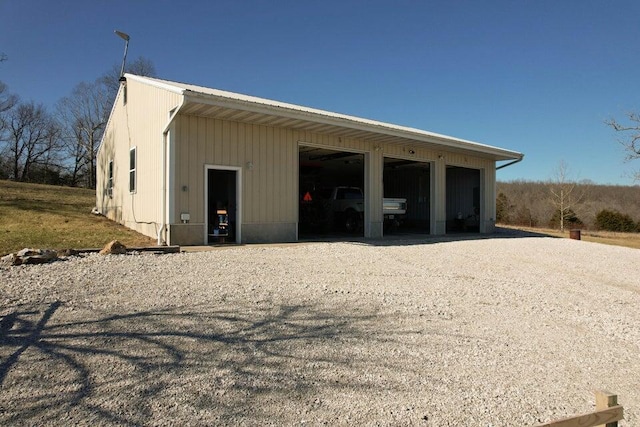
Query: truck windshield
[(349, 194)]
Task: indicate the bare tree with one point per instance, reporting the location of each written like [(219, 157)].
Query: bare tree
[(564, 194), (32, 139), (7, 102), (630, 138), (84, 115), (111, 79)]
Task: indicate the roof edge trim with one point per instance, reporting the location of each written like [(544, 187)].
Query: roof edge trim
[(217, 97), (352, 122), (155, 83)]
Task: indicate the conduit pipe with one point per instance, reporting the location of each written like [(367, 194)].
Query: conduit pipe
[(165, 161)]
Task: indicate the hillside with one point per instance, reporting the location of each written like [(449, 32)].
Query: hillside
[(45, 216), (529, 203)]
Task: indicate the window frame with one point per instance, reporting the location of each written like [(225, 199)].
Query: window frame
[(133, 170), (110, 179)]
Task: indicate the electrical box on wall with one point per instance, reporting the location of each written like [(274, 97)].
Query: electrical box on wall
[(185, 217)]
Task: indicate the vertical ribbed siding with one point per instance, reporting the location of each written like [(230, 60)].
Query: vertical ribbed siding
[(439, 197), (489, 186), (138, 123), (265, 154), (145, 126), (268, 157), (374, 185)]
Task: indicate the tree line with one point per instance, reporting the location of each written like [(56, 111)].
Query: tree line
[(589, 205), (59, 145), (560, 202)]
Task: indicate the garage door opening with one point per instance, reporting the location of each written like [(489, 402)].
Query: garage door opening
[(410, 180), (463, 200), (331, 193)]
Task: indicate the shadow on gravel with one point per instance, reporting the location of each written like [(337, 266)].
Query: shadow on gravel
[(408, 239), (202, 366)]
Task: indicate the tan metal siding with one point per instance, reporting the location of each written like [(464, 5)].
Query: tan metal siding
[(263, 168), (438, 197), (489, 184), (252, 176), (263, 153), (374, 188), (137, 123), (268, 157)]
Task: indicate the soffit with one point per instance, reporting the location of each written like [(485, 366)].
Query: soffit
[(209, 102), (312, 124)]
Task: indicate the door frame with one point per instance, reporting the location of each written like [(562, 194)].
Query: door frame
[(238, 171)]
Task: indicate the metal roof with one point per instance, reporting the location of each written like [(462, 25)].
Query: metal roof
[(209, 102)]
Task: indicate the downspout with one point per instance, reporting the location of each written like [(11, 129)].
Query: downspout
[(165, 154), (511, 163)]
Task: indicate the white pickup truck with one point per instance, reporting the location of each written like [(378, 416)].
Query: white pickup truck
[(347, 205)]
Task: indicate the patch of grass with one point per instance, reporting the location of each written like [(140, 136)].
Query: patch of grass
[(629, 240), (45, 216), (51, 217)]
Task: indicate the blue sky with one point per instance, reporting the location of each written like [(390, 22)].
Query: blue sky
[(535, 76)]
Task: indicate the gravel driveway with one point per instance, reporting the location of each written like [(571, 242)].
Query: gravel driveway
[(487, 332)]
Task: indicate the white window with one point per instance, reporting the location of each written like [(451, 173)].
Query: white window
[(110, 180), (132, 170)]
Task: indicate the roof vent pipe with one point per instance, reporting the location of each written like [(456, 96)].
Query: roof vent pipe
[(125, 37)]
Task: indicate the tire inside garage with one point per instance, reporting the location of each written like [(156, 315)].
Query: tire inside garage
[(331, 187), (410, 180)]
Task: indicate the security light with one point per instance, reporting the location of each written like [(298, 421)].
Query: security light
[(125, 37), (122, 35)]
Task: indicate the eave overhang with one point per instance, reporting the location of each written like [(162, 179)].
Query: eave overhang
[(206, 102)]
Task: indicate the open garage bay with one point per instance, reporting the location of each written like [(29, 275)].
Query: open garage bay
[(331, 199)]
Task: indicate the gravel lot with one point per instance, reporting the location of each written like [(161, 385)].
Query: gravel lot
[(510, 330)]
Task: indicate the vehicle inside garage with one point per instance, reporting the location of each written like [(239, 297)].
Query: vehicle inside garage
[(331, 196), (331, 200), (410, 180)]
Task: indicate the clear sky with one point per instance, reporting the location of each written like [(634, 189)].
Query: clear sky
[(534, 76)]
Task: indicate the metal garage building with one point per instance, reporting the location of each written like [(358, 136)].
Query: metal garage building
[(175, 157)]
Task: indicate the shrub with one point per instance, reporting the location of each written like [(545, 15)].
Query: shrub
[(571, 220), (523, 216), (502, 209), (615, 221)]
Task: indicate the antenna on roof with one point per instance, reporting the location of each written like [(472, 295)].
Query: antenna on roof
[(125, 37)]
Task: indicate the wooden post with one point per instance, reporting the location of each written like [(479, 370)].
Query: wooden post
[(607, 411), (605, 400)]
